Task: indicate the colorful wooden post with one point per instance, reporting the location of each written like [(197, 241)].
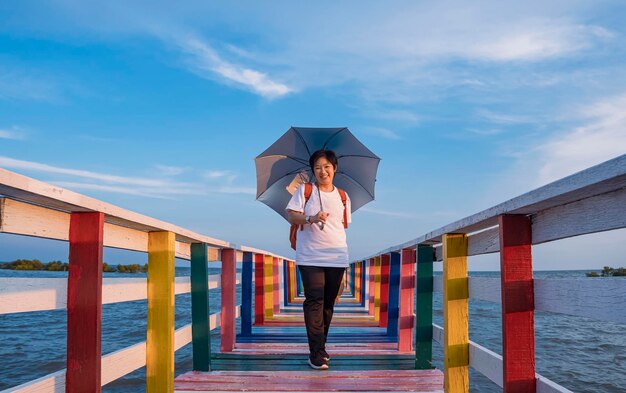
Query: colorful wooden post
[(275, 287), (455, 314), (352, 278), (384, 290), (268, 286), (518, 332), (424, 308), (259, 289), (364, 284), (200, 329), (407, 295), (160, 340), (229, 303), (246, 293), (393, 311), (299, 291), (358, 271), (84, 303), (284, 282), (292, 281), (372, 288)]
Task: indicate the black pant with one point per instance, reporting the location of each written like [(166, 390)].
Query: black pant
[(321, 286)]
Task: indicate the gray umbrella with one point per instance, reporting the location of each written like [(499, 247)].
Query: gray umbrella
[(285, 165)]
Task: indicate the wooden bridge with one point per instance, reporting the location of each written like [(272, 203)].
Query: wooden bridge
[(382, 333)]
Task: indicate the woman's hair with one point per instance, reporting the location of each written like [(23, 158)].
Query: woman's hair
[(328, 154)]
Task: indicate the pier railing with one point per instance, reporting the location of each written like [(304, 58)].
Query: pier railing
[(33, 208), (590, 201)]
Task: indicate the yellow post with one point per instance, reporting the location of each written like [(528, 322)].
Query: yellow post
[(160, 336), (268, 286), (455, 314), (377, 288)]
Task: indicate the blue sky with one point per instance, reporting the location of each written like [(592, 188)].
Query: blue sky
[(161, 109)]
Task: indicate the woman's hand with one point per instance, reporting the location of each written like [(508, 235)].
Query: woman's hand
[(319, 217)]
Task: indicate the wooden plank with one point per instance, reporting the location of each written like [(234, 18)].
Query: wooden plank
[(393, 311), (160, 336), (246, 293), (84, 302), (40, 294), (201, 338), (275, 286), (229, 293), (377, 291), (455, 314), (600, 179), (407, 299), (35, 192), (424, 307), (371, 286), (268, 286), (259, 289), (595, 214), (518, 318), (384, 289)]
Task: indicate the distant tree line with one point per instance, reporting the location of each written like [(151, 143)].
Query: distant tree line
[(608, 271), (58, 266)]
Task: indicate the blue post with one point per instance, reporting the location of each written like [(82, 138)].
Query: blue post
[(299, 282), (363, 281), (393, 312), (352, 275), (285, 283), (246, 294)]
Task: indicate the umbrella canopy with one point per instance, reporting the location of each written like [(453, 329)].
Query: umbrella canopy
[(285, 165)]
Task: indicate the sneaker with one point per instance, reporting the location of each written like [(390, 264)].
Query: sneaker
[(325, 355), (317, 362)]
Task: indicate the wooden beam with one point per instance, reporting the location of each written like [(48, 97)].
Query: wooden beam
[(372, 286), (246, 293), (259, 294), (455, 314), (424, 307), (200, 306), (160, 337), (393, 310), (229, 292), (518, 317), (84, 303), (384, 290), (407, 300)]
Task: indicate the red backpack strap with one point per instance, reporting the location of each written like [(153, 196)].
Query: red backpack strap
[(308, 190), (344, 200)]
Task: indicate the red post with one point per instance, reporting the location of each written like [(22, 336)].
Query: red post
[(276, 285), (371, 288), (518, 304), (407, 302), (259, 301), (229, 284), (84, 303), (384, 289)]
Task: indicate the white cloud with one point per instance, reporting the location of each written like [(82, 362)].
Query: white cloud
[(382, 132), (206, 62), (166, 170), (12, 133), (602, 137), (148, 187), (507, 119)]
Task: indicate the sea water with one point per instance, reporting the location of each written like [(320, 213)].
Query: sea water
[(581, 354)]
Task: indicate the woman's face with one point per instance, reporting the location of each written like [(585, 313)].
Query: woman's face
[(324, 171)]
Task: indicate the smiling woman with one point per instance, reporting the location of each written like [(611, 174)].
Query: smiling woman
[(321, 211)]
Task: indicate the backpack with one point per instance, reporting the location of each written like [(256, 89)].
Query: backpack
[(308, 190)]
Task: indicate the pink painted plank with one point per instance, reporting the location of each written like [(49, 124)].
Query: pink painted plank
[(309, 381), (384, 289), (275, 277), (229, 284), (259, 298), (371, 286), (84, 303)]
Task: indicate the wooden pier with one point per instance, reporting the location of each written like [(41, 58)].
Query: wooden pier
[(382, 335)]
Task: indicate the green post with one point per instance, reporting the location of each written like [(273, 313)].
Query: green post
[(200, 329), (424, 308)]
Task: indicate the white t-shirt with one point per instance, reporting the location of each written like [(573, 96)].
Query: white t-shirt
[(316, 247)]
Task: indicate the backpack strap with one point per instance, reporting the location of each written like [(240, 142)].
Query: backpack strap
[(308, 190), (344, 200)]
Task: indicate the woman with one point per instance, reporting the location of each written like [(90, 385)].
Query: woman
[(321, 250)]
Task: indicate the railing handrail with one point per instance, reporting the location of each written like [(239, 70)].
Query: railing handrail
[(32, 191), (603, 178)]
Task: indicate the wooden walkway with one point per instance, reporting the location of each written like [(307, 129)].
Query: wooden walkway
[(273, 358)]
